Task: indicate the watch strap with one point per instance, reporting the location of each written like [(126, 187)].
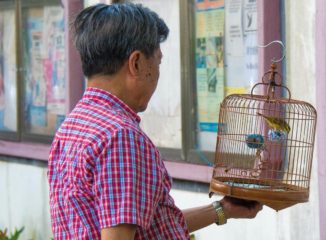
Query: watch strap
[(220, 215)]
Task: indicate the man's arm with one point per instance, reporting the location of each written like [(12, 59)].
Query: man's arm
[(200, 217), (119, 232)]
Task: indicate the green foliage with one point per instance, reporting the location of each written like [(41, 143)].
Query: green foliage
[(13, 236)]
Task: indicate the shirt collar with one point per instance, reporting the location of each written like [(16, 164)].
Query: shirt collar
[(108, 99)]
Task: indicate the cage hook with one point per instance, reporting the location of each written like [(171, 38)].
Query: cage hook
[(270, 77), (283, 50)]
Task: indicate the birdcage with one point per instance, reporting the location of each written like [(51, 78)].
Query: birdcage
[(265, 146)]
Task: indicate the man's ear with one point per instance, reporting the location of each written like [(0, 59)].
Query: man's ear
[(134, 62)]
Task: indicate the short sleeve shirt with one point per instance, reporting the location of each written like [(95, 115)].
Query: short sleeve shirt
[(104, 171)]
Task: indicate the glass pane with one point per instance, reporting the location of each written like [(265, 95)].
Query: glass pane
[(44, 65), (226, 59), (88, 3), (8, 76)]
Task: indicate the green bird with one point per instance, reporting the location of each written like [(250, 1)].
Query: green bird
[(276, 123)]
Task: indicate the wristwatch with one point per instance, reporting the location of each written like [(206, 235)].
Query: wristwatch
[(220, 215)]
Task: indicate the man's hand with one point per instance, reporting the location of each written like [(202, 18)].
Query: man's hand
[(240, 208)]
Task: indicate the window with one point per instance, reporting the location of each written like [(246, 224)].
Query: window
[(40, 74), (207, 77), (43, 64), (224, 38), (34, 56), (221, 58)]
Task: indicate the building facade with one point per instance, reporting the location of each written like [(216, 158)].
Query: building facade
[(211, 52)]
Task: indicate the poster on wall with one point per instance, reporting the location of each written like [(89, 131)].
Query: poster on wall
[(45, 62), (209, 61), (250, 42), (54, 59), (241, 54), (36, 85)]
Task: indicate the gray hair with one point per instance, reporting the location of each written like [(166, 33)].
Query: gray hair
[(106, 35)]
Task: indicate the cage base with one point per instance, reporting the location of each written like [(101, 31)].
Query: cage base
[(277, 198)]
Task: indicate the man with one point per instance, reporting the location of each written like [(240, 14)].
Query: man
[(107, 179)]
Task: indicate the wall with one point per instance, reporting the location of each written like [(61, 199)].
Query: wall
[(24, 202), (321, 107), (301, 79), (24, 198)]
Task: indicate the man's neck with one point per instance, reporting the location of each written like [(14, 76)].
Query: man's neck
[(116, 85)]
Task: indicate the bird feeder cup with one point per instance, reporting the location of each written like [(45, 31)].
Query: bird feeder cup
[(265, 146)]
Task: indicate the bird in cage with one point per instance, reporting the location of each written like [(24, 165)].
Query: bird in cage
[(280, 128), (276, 123), (265, 156)]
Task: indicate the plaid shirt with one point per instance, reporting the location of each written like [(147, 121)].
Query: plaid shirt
[(104, 171)]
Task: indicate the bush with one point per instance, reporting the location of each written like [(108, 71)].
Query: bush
[(13, 236)]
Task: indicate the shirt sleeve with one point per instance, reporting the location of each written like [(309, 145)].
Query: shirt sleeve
[(128, 182)]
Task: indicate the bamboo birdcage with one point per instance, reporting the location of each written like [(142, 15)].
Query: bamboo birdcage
[(265, 146)]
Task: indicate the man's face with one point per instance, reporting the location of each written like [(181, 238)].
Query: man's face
[(150, 78)]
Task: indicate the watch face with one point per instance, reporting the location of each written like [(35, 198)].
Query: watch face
[(217, 205)]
